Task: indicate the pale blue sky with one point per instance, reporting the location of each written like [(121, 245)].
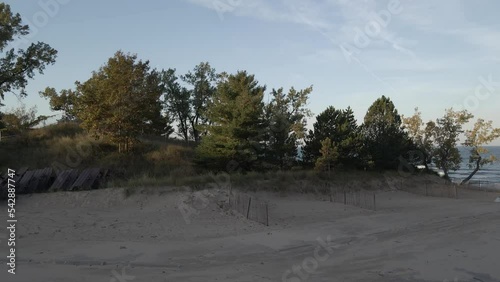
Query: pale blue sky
[(426, 54)]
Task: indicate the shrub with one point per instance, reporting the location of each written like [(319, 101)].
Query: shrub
[(171, 158)]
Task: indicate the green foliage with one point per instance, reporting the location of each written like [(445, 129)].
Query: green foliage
[(385, 140), (329, 154), (63, 145), (21, 119), (2, 123), (177, 102), (17, 66), (446, 134), (65, 102), (286, 119), (189, 107), (421, 135), (340, 127), (171, 158), (122, 101), (62, 129), (481, 134), (236, 116), (202, 80)]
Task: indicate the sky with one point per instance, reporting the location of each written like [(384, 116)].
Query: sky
[(428, 54)]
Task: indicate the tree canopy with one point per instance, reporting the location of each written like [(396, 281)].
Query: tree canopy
[(21, 119), (286, 120), (18, 66), (341, 128), (236, 115), (122, 101), (385, 139), (421, 135), (446, 135), (481, 134), (65, 102)]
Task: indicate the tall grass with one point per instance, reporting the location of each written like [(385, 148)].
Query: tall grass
[(301, 181), (66, 145), (157, 163)]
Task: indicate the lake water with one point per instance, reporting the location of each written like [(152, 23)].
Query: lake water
[(490, 173)]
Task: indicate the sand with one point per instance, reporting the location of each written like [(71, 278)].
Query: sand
[(105, 236)]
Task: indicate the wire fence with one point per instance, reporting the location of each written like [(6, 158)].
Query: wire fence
[(358, 198), (250, 207), (483, 185), (432, 189)]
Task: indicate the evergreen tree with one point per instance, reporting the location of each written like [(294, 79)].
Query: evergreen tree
[(341, 128), (329, 154), (236, 115), (286, 120), (385, 140)]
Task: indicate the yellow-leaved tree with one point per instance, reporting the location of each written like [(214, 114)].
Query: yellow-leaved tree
[(480, 135)]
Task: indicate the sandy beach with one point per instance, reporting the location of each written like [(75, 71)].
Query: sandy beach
[(105, 236)]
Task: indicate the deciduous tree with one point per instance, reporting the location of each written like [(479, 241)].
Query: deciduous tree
[(177, 103), (446, 135), (122, 101), (202, 80), (480, 135), (420, 134), (65, 102), (21, 119), (18, 66), (189, 105)]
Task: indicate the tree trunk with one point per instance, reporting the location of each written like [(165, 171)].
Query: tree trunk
[(426, 162), (478, 164), (446, 176)]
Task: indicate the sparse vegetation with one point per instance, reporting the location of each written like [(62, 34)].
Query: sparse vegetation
[(122, 118)]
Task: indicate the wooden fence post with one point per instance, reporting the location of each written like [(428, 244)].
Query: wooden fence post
[(345, 197), (374, 201), (249, 203), (267, 214)]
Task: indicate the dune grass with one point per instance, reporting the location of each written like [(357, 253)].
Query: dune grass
[(67, 146), (156, 162)]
